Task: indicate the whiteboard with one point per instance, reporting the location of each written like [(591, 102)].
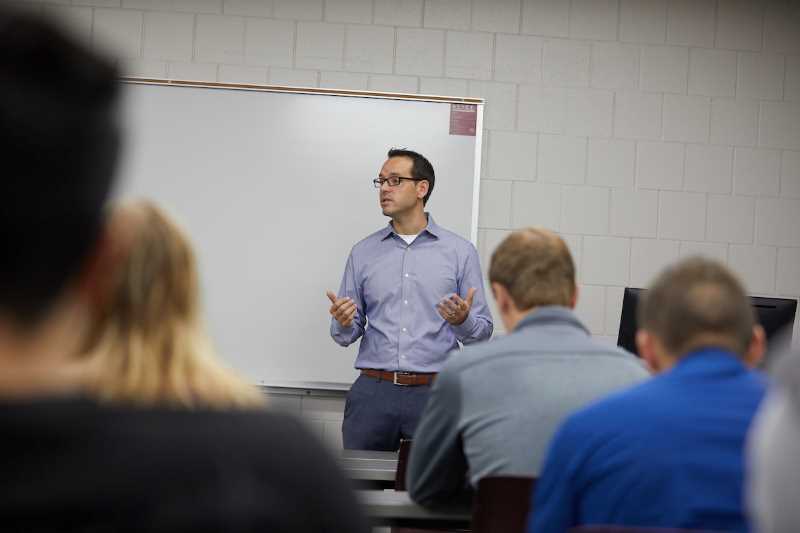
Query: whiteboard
[(274, 188)]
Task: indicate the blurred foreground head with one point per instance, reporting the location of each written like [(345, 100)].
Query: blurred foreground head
[(693, 304), (149, 346), (59, 141)]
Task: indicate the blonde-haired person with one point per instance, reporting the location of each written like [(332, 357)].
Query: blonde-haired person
[(149, 346)]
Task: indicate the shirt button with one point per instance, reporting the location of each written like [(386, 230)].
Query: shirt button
[(404, 329), (406, 275), (402, 357), (405, 302)]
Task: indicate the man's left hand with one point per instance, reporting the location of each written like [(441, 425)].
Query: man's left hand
[(455, 310)]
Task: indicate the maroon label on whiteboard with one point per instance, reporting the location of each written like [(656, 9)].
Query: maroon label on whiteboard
[(463, 119)]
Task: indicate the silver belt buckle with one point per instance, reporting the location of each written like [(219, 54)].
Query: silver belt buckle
[(395, 379)]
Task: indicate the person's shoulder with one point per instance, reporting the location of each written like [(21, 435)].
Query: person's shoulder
[(251, 433), (251, 424), (369, 241), (454, 239), (530, 342), (618, 409), (272, 443), (617, 356), (576, 344), (482, 353)]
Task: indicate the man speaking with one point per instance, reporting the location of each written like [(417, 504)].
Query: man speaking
[(413, 290)]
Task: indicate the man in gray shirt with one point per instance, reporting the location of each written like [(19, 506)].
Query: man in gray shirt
[(495, 406)]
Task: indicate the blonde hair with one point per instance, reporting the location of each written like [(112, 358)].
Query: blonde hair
[(536, 268), (149, 347)]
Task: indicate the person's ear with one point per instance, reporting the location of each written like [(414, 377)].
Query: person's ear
[(757, 348), (646, 346), (574, 300), (106, 261), (501, 297), (422, 188)]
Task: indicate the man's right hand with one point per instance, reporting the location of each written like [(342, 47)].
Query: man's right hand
[(342, 309)]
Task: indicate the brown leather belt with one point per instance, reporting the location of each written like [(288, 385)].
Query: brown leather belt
[(400, 378)]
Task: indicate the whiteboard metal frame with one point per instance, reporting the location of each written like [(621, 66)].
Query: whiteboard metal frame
[(308, 90), (476, 185), (314, 388)]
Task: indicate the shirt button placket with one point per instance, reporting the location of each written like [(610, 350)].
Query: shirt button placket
[(404, 313)]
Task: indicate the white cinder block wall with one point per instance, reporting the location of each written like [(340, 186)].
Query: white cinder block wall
[(642, 130)]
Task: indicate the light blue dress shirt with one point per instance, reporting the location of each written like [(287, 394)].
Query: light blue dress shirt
[(396, 287)]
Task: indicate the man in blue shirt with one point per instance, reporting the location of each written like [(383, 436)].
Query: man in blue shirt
[(412, 291), (668, 452)]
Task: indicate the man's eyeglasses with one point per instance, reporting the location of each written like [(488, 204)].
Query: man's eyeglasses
[(393, 181)]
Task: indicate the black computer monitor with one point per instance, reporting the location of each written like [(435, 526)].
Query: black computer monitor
[(774, 314)]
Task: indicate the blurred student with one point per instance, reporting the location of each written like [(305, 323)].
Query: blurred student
[(774, 446), (668, 452), (149, 346), (67, 463), (495, 406)]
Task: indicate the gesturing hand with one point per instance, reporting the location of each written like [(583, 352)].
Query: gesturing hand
[(342, 309), (455, 310)]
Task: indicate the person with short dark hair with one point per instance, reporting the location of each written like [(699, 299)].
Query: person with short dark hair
[(669, 452), (420, 289), (68, 463), (494, 408)]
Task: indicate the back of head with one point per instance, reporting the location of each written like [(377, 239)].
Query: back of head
[(697, 303), (59, 141), (158, 283), (536, 268), (150, 346)]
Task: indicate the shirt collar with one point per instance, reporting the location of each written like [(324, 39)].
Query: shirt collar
[(703, 360), (550, 315), (431, 228)]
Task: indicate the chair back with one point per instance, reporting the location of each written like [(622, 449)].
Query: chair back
[(502, 504), (402, 463)]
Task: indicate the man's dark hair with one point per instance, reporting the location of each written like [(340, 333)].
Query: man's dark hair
[(421, 168), (693, 301), (60, 142)]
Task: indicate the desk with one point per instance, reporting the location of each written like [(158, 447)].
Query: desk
[(369, 466), (392, 508), (369, 455)]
